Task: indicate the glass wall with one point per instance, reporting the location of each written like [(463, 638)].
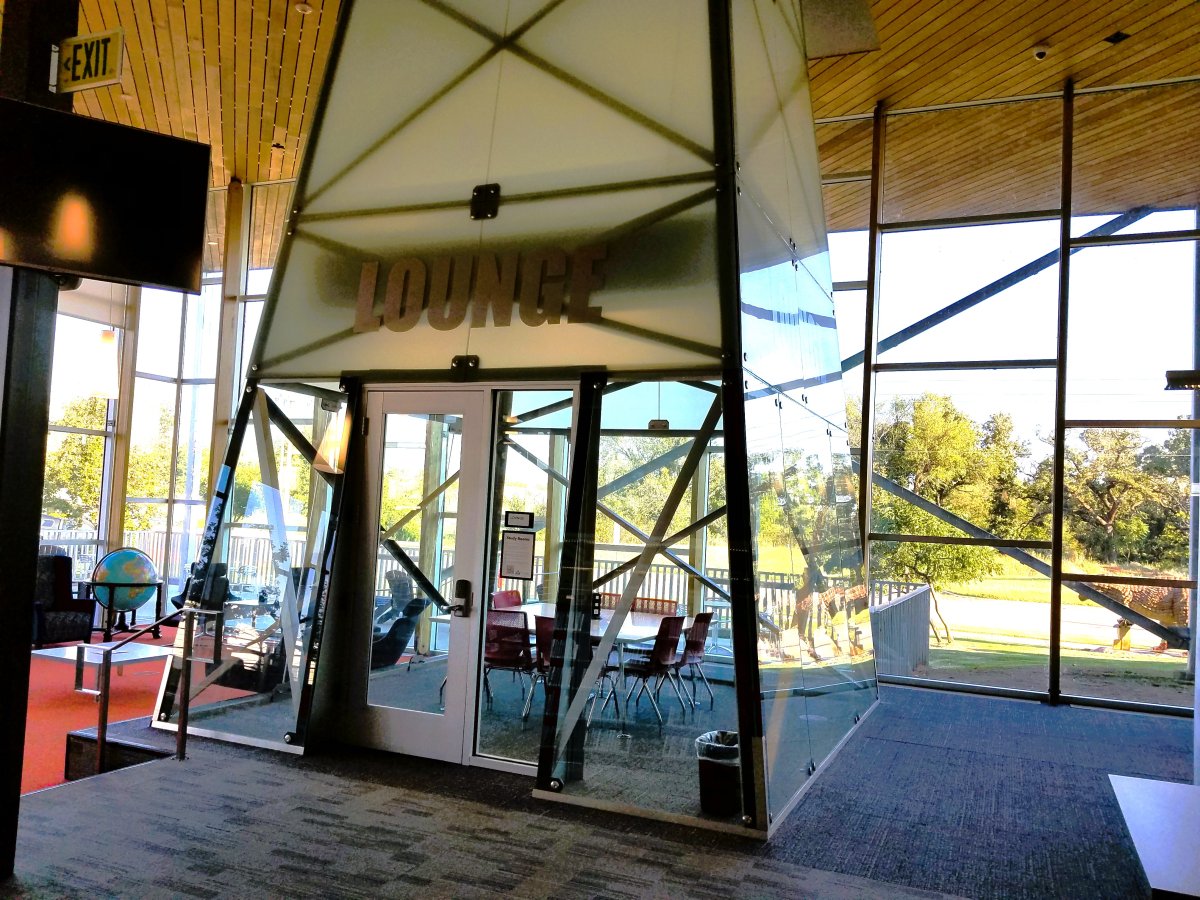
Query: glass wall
[(171, 428), (530, 477), (815, 666), (79, 446), (964, 387), (657, 670), (267, 566)]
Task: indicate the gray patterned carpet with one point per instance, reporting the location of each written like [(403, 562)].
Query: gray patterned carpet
[(936, 792)]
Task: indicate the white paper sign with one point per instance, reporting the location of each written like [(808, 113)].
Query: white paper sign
[(516, 555)]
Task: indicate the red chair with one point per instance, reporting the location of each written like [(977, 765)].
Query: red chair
[(506, 647), (506, 599), (693, 655), (659, 664)]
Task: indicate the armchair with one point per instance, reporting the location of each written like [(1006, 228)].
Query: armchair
[(58, 615)]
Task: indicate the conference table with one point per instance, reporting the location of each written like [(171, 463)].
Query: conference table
[(638, 627)]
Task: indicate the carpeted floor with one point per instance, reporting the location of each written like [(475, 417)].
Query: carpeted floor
[(969, 796), (55, 709)]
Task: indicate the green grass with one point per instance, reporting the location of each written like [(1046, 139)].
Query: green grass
[(994, 656)]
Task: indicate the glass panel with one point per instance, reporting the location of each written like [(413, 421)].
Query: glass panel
[(74, 482), (202, 324), (1136, 149), (418, 508), (976, 150), (848, 209), (158, 333), (195, 433), (1132, 317), (660, 614), (1126, 509), (976, 443), (845, 147), (72, 388), (150, 439), (270, 554), (531, 467), (776, 142), (252, 311), (146, 529), (963, 613), (1001, 279), (643, 259), (267, 220), (214, 232), (1106, 655)]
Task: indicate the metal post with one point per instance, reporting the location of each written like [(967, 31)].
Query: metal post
[(1194, 477), (28, 304), (185, 682), (1060, 394), (103, 685), (866, 443)]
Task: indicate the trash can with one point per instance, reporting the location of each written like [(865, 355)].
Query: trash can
[(720, 773)]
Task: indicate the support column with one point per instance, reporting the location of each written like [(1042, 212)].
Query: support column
[(233, 285), (28, 304)]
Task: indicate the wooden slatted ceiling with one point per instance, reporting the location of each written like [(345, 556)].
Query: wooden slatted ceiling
[(239, 75), (242, 75), (935, 52)]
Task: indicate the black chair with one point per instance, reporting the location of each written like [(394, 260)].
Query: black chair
[(58, 615), (395, 621)]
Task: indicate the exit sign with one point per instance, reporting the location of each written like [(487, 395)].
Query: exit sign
[(90, 60)]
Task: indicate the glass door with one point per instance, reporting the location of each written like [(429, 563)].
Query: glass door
[(425, 503)]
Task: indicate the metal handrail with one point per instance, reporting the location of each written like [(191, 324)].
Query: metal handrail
[(104, 679)]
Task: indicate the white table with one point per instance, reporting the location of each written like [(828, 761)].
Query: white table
[(1164, 821), (93, 654)]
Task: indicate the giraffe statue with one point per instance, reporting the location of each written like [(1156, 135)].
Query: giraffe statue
[(1168, 605)]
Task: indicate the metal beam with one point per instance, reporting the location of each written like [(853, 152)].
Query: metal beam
[(996, 287), (1173, 638)]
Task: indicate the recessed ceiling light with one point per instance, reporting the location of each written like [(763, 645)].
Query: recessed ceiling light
[(1116, 37), (303, 8)]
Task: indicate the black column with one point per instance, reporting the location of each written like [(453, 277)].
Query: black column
[(28, 303)]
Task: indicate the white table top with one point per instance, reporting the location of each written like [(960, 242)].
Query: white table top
[(93, 653), (1164, 821)]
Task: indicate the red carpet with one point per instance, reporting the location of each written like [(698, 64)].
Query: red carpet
[(55, 709)]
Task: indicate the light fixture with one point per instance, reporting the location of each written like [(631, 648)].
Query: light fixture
[(104, 380), (332, 450), (1183, 380), (303, 8)]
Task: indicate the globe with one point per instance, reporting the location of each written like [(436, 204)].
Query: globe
[(128, 566)]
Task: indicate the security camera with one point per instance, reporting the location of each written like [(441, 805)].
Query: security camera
[(1040, 51)]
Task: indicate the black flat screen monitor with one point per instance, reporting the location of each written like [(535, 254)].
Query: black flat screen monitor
[(86, 197)]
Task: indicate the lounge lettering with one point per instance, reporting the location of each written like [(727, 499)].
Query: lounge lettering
[(449, 290)]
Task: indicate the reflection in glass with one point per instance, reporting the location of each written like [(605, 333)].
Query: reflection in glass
[(417, 517), (657, 672), (267, 567), (531, 468)]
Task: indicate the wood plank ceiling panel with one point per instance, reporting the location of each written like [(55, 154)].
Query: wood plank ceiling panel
[(936, 52)]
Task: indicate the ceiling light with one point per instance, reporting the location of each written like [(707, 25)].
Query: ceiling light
[(1183, 380), (1116, 37), (303, 8)]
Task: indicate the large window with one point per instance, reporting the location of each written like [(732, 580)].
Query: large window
[(1033, 481), (171, 427), (79, 444)]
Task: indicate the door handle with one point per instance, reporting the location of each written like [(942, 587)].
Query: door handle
[(462, 597)]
